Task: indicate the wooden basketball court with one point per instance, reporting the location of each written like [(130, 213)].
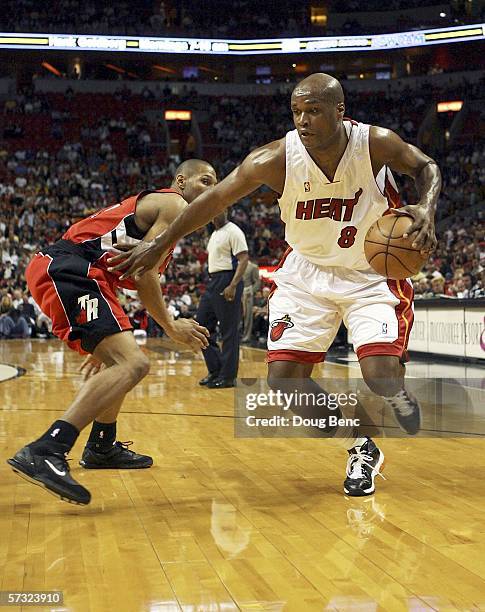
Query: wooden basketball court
[(220, 523)]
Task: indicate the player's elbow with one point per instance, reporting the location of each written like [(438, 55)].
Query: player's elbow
[(150, 281), (428, 170)]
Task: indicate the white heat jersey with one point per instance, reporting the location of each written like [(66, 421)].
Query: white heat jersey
[(326, 221)]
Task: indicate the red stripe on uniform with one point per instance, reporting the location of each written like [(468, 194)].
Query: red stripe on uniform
[(297, 356), (392, 195), (274, 286), (283, 259), (352, 121), (405, 317), (404, 310), (44, 291)]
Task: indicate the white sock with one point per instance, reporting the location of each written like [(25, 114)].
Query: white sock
[(400, 395), (357, 442), (346, 438)]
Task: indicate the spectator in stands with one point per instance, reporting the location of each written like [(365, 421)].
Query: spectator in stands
[(193, 289), (469, 285), (212, 18), (252, 283), (47, 184), (27, 310), (12, 323), (438, 286), (260, 314)]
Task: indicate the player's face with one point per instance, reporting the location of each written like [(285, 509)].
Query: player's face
[(316, 120), (199, 182)]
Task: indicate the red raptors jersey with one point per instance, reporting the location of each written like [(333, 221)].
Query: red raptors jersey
[(97, 234)]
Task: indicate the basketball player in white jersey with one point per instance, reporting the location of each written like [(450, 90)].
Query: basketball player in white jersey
[(334, 177)]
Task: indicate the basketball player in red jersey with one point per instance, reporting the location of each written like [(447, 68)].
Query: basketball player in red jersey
[(335, 180), (70, 282)]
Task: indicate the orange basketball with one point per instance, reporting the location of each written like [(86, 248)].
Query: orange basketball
[(388, 252)]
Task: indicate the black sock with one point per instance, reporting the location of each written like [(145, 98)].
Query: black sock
[(60, 435), (102, 436)]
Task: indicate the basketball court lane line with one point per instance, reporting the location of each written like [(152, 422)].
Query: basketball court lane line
[(230, 416), (135, 412), (21, 371)]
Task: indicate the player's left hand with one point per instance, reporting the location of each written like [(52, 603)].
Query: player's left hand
[(422, 227), (229, 293), (90, 366), (190, 333)]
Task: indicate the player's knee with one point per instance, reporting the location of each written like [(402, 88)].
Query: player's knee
[(279, 380), (138, 368), (281, 374), (143, 366), (273, 382), (382, 375)]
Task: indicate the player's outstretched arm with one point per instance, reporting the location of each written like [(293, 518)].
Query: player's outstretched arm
[(258, 168), (387, 148), (185, 331)]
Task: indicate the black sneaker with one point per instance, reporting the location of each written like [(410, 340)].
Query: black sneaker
[(222, 383), (119, 457), (203, 382), (363, 465), (407, 411), (51, 471)]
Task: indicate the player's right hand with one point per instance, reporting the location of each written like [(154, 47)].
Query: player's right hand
[(190, 333), (135, 260)]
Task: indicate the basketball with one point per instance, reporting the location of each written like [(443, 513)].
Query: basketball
[(388, 252)]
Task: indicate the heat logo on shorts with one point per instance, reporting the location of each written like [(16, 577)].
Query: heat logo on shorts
[(278, 326)]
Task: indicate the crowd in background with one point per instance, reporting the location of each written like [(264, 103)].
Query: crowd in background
[(46, 186), (211, 18)]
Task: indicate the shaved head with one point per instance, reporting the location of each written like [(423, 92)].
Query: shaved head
[(192, 177), (194, 166), (318, 107), (321, 86)]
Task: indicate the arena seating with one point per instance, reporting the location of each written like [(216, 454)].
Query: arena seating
[(212, 18), (63, 162)]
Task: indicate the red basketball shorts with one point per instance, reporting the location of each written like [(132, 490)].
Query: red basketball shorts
[(79, 298)]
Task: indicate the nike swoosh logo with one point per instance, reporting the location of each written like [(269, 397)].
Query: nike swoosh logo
[(54, 469)]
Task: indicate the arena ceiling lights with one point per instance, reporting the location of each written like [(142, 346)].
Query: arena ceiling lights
[(206, 46)]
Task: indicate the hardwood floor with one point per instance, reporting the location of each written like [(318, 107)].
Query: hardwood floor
[(225, 523)]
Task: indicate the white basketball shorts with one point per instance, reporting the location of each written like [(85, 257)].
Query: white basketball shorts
[(309, 302)]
